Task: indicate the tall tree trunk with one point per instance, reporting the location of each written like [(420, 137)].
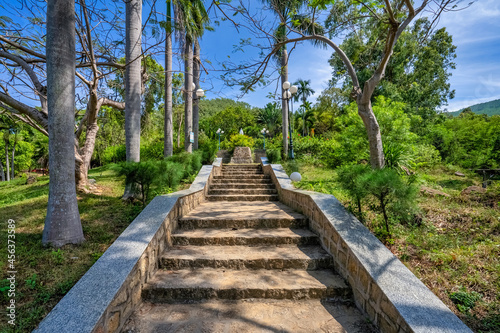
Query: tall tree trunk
[(1, 171), (196, 78), (7, 163), (62, 224), (179, 129), (188, 95), (168, 144), (365, 111), (284, 104), (133, 84), (13, 155)]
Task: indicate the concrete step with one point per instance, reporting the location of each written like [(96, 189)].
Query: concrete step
[(238, 173), (245, 197), (190, 223), (239, 166), (202, 284), (249, 315), (225, 237), (307, 257), (266, 181), (243, 177), (232, 191), (242, 186)]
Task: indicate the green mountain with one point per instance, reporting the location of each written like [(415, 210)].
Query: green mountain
[(489, 108)]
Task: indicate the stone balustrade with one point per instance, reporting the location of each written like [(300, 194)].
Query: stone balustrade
[(383, 287)]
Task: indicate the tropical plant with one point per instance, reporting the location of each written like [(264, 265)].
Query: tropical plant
[(270, 117)]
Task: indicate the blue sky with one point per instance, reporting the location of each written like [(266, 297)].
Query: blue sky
[(475, 31)]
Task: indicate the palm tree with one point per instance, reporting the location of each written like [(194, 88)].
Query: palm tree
[(191, 16), (304, 90), (284, 9), (270, 117), (62, 223), (133, 84)]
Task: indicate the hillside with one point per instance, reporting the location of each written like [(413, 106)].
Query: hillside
[(489, 108)]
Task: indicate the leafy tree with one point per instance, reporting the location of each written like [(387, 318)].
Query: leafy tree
[(230, 120), (270, 118), (417, 72)]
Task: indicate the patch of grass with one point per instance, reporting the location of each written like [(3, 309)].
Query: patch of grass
[(455, 250), (45, 275)]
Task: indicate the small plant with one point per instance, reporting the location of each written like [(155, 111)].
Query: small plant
[(140, 176), (31, 281), (465, 301), (349, 178), (58, 256), (171, 173), (396, 157), (97, 255)]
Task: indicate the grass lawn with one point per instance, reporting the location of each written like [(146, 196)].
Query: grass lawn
[(45, 275), (455, 251)]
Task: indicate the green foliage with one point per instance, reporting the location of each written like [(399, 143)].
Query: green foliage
[(208, 147), (140, 176), (349, 177), (270, 118), (191, 162), (114, 154), (395, 196), (273, 155), (464, 300), (171, 173), (153, 151), (230, 120), (240, 140), (424, 155), (490, 108), (396, 156)]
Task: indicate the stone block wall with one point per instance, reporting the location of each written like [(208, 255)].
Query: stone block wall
[(103, 299), (383, 288)]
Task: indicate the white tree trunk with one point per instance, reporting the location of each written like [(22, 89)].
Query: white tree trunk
[(133, 87), (196, 78), (7, 163), (62, 224), (2, 172), (284, 104), (188, 94), (13, 156)]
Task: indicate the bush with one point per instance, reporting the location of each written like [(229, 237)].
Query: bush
[(170, 173), (208, 148), (393, 194), (425, 155), (240, 140), (273, 155), (152, 151), (396, 157), (114, 154), (140, 176), (349, 178), (191, 162)]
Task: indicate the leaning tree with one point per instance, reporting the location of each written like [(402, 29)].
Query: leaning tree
[(388, 18)]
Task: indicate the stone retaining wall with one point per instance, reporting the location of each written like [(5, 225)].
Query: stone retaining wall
[(383, 287), (103, 299)]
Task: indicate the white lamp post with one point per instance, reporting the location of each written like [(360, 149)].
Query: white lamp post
[(289, 90), (219, 132), (264, 132)]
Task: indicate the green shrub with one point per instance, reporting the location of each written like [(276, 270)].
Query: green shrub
[(273, 155), (396, 156), (240, 140), (152, 151), (190, 161), (394, 195), (208, 147), (170, 173), (114, 154), (425, 155), (349, 178), (464, 300), (140, 176)]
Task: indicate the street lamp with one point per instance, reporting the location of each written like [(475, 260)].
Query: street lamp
[(289, 91), (219, 132), (264, 132)]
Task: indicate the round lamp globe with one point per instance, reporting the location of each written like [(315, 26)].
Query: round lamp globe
[(295, 177)]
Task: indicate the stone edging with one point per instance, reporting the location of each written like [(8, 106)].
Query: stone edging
[(383, 287), (103, 299)]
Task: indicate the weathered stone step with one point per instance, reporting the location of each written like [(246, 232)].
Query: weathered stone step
[(307, 257), (241, 173), (168, 286), (242, 223), (267, 181), (243, 214), (239, 166), (249, 315), (278, 236), (231, 191), (245, 197), (240, 177), (221, 186)]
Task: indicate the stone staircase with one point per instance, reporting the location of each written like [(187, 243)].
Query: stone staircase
[(243, 182), (243, 262)]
